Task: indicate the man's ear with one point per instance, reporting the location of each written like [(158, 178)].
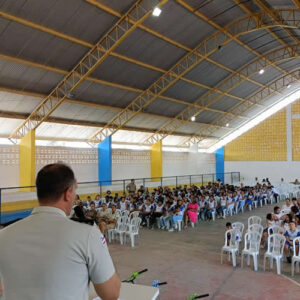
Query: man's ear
[(68, 194)]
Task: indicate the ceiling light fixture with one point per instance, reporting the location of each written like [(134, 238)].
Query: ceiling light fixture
[(255, 121), (156, 12), (227, 124), (261, 71), (193, 118)]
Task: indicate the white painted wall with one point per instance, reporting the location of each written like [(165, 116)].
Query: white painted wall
[(126, 163), (274, 170)]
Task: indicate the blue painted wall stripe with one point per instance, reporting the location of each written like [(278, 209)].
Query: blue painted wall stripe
[(105, 161), (220, 164), (11, 216)]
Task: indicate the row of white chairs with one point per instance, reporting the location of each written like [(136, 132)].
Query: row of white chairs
[(252, 241), (125, 226)]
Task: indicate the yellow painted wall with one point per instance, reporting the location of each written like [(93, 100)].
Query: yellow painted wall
[(27, 160), (264, 142), (296, 107), (296, 139), (156, 160)]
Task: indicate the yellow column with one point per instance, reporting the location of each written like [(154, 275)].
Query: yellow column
[(27, 161), (156, 160)]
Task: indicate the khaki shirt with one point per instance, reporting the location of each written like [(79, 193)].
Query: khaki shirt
[(104, 214), (47, 256), (131, 187)]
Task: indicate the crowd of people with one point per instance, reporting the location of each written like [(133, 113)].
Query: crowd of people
[(166, 206), (288, 218)]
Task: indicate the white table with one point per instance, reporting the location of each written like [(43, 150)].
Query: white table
[(132, 292)]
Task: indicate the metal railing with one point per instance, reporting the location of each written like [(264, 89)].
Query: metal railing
[(14, 197)]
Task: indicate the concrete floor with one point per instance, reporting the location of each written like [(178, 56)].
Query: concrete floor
[(190, 262)]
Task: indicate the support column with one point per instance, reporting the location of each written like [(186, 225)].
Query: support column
[(220, 164), (156, 160), (105, 161), (27, 161)]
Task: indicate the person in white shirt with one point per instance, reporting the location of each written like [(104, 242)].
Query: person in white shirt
[(54, 257), (286, 208)]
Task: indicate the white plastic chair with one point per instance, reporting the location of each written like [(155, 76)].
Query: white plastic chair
[(256, 227), (120, 229), (275, 251), (296, 256), (240, 227), (118, 213), (125, 213), (133, 229), (134, 214), (251, 248), (275, 230), (254, 220), (231, 246)]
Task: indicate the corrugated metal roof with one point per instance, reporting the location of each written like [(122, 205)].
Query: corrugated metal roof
[(71, 111), (28, 78), (290, 65), (24, 42), (120, 6), (282, 4), (10, 102), (241, 55), (73, 17), (261, 40), (185, 91), (150, 122), (207, 73), (222, 12), (150, 49), (269, 75), (225, 103), (103, 94), (245, 89), (119, 71), (189, 31), (88, 22), (207, 116), (8, 125), (190, 128), (165, 108), (53, 130)]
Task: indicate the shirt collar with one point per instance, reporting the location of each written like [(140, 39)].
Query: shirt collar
[(47, 210)]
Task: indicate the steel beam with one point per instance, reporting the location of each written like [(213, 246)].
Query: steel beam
[(99, 106), (209, 99), (188, 62), (138, 12), (112, 84), (19, 116), (287, 19), (276, 17), (263, 94), (273, 57), (122, 57)]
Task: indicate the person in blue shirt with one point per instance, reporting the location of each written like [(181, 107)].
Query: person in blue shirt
[(178, 213), (290, 235)]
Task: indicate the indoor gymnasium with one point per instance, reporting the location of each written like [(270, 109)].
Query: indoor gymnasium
[(149, 149)]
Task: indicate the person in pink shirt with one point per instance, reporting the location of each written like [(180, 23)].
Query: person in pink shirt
[(192, 210)]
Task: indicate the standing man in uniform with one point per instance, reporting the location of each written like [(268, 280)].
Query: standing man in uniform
[(131, 187), (48, 256)]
